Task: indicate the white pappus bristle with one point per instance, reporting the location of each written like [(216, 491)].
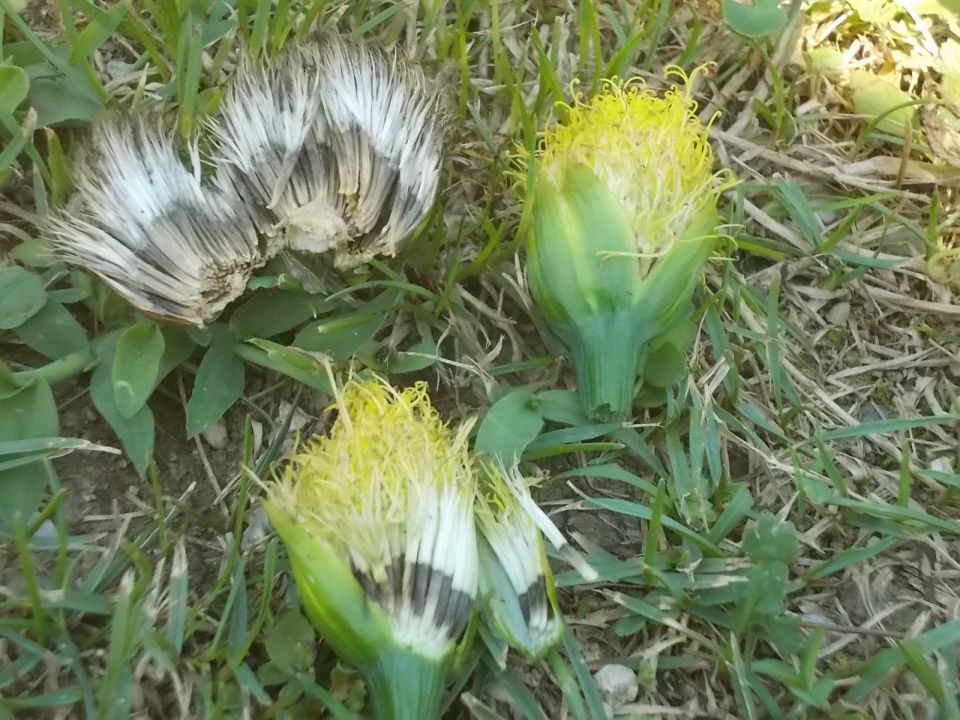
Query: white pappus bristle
[(149, 227), (518, 485), (270, 143), (384, 127), (431, 571), (515, 541)]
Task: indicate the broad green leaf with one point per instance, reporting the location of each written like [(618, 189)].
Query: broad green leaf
[(769, 538), (562, 406), (416, 357), (59, 101), (135, 366), (881, 100), (21, 296), (271, 312), (340, 337), (14, 87), (666, 366), (878, 12), (761, 18), (220, 381), (763, 595), (178, 346), (509, 426), (826, 61), (136, 433), (28, 412), (290, 642), (53, 331), (293, 362)]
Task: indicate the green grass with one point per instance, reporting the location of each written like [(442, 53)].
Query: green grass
[(777, 536)]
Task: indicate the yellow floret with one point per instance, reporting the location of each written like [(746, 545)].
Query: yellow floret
[(650, 150), (387, 453)]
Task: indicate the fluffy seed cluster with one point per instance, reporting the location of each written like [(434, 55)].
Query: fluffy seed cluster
[(173, 246), (331, 147), (650, 150)]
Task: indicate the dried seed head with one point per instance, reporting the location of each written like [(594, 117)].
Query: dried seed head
[(271, 142), (342, 142), (385, 129), (151, 229)]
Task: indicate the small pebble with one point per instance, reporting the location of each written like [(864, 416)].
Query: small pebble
[(216, 435), (258, 526), (46, 531), (617, 684), (839, 313), (942, 464)]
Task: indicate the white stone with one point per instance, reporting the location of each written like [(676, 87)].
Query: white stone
[(617, 684), (258, 527), (216, 435), (839, 313)]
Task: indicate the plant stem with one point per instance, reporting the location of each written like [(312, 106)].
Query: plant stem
[(58, 370), (404, 685), (606, 352)]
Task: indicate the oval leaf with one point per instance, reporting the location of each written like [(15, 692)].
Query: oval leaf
[(136, 433), (757, 20), (341, 337), (27, 413), (21, 296), (135, 366), (883, 102), (220, 381), (54, 332), (509, 426), (14, 86)]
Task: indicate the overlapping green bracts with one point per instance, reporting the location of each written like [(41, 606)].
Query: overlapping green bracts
[(624, 217)]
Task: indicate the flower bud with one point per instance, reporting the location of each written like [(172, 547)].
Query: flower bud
[(624, 216), (378, 521), (516, 582)]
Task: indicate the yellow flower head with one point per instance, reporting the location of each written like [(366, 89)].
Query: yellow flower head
[(390, 492), (651, 151)]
